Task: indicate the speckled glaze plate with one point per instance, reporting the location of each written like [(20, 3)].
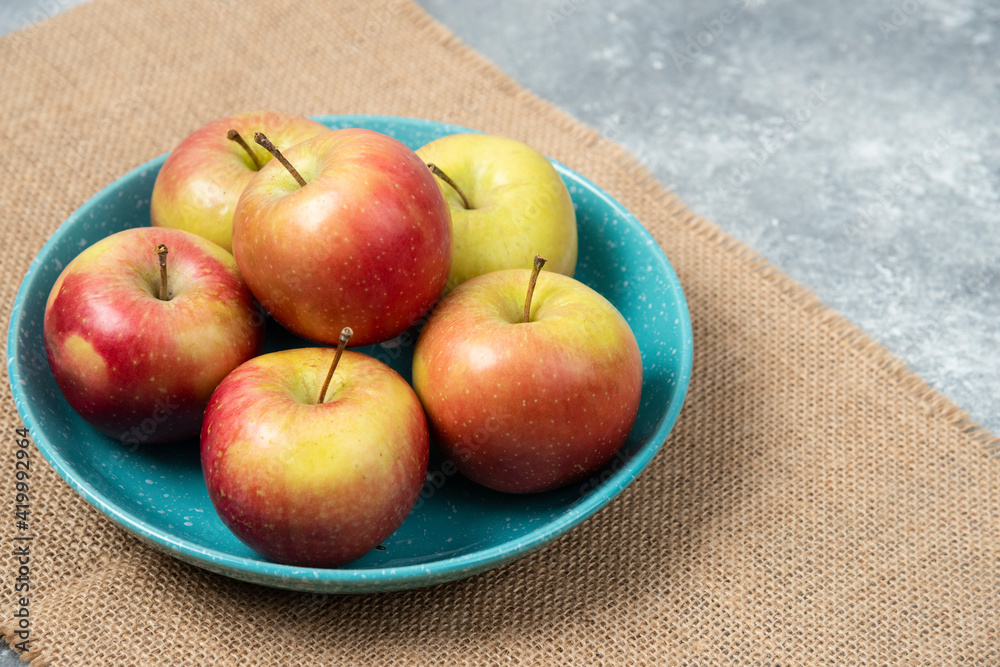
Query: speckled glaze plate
[(457, 528)]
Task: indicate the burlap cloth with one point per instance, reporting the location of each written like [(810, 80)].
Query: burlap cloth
[(816, 504)]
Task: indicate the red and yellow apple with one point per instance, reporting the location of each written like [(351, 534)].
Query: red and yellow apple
[(311, 482), (139, 367), (527, 405), (365, 241), (203, 177)]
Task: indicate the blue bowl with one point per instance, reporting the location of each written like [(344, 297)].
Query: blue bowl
[(457, 528)]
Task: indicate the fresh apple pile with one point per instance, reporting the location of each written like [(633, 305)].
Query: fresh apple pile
[(313, 456)]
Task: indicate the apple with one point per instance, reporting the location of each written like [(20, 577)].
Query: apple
[(310, 476), (203, 177), (507, 203), (137, 339), (527, 393), (348, 227)]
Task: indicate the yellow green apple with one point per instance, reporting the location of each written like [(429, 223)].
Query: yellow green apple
[(507, 204)]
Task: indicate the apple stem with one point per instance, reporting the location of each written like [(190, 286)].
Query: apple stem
[(161, 251), (539, 263), (273, 150), (436, 170), (345, 335), (233, 135)]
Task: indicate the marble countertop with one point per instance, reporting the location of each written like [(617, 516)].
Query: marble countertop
[(855, 145)]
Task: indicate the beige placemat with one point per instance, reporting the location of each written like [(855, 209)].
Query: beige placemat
[(816, 503)]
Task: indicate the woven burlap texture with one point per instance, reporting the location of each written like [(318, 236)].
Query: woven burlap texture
[(816, 503)]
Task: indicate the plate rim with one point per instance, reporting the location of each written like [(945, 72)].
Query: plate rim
[(358, 579)]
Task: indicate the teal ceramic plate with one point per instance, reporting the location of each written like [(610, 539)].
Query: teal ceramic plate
[(457, 528)]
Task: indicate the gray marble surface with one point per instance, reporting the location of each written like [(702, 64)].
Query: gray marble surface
[(856, 145)]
